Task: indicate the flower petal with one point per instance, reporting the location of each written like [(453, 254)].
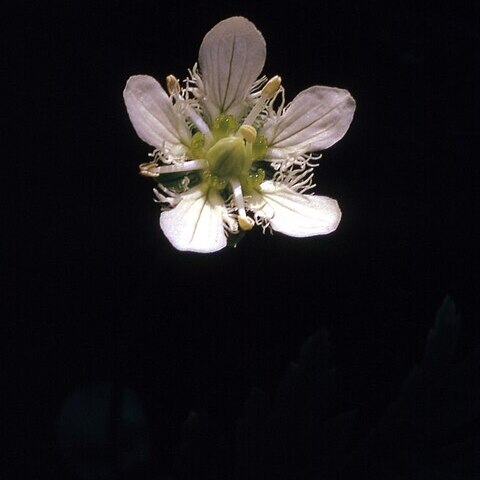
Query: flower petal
[(293, 213), (152, 114), (196, 223), (231, 58), (317, 118)]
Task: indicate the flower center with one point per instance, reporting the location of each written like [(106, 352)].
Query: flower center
[(230, 153)]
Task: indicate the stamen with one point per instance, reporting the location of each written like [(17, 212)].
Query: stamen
[(244, 222), (173, 85), (272, 86), (268, 91), (152, 169), (148, 169), (198, 121), (248, 133)]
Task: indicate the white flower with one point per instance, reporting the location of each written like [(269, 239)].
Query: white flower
[(228, 154)]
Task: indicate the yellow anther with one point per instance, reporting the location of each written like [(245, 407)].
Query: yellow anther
[(149, 169), (272, 86), (248, 133), (245, 223), (173, 85)]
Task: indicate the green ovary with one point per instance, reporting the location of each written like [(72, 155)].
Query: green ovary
[(231, 156), (228, 158)]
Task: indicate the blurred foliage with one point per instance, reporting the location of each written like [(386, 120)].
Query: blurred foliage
[(429, 432), (102, 432)]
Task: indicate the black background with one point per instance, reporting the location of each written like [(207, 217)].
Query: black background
[(98, 293)]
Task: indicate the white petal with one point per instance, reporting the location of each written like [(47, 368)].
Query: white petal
[(196, 223), (231, 58), (151, 112), (317, 118), (293, 213)]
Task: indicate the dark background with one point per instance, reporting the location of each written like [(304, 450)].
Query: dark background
[(98, 293)]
